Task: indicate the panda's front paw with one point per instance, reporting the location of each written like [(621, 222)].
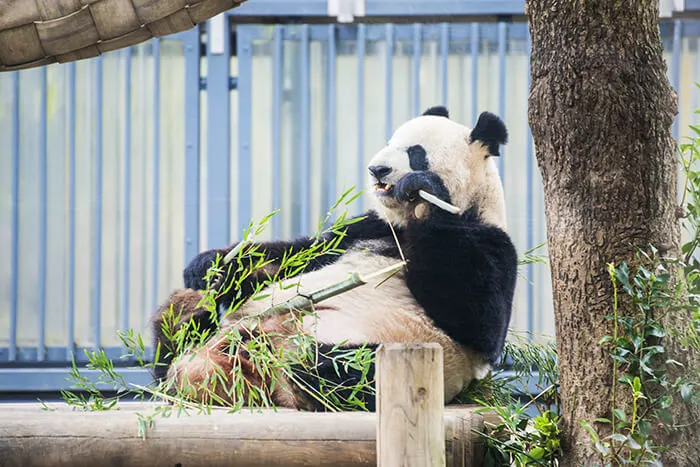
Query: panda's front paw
[(409, 185), (196, 271)]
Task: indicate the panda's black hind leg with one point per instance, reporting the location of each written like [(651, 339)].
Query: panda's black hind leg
[(343, 374)]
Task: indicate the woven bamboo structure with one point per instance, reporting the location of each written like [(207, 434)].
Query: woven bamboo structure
[(39, 32)]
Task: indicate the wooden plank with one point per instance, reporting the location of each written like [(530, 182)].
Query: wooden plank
[(30, 436), (410, 404)]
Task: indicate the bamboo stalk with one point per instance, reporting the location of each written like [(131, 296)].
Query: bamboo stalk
[(234, 251), (301, 302), (438, 202)]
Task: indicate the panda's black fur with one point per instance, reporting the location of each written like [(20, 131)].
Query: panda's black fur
[(492, 131), (461, 268)]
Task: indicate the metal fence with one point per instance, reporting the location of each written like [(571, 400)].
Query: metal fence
[(115, 171)]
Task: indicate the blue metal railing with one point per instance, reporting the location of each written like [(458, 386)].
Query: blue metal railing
[(192, 53), (126, 233), (311, 158), (475, 68), (245, 104), (276, 126), (156, 173), (330, 128), (43, 214), (71, 211), (14, 236), (456, 9), (97, 237), (304, 174), (218, 142)]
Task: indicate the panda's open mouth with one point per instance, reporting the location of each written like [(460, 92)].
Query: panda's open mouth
[(383, 188)]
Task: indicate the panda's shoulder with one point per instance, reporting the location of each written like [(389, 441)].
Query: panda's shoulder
[(470, 229), (488, 237)]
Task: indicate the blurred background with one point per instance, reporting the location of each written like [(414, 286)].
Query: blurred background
[(116, 171)]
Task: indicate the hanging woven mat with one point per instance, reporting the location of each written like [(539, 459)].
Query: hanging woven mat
[(39, 32)]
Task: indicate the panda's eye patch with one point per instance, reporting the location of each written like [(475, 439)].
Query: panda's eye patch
[(417, 157)]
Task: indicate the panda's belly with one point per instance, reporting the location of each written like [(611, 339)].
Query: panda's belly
[(374, 314)]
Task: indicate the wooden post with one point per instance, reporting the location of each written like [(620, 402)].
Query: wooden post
[(410, 405)]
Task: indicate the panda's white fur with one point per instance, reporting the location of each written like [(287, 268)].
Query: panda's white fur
[(390, 312), (384, 313)]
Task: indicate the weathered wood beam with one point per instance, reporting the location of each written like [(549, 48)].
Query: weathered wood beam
[(30, 436), (411, 427)]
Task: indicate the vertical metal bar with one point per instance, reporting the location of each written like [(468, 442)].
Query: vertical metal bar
[(126, 234), (192, 148), (696, 66), (218, 139), (276, 127), (502, 37), (675, 66), (331, 119), (97, 293), (43, 213), (244, 43), (361, 42), (444, 51), (71, 211), (144, 234), (415, 69), (529, 216), (475, 71), (388, 81), (305, 143), (14, 247), (156, 171)]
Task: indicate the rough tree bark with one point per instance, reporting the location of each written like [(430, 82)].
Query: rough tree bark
[(601, 110)]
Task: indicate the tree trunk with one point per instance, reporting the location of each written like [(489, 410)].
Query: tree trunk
[(601, 110)]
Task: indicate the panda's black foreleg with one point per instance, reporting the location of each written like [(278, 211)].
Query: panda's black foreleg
[(331, 376), (463, 272), (272, 253), (367, 226)]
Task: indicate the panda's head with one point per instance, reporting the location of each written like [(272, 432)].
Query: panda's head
[(462, 157)]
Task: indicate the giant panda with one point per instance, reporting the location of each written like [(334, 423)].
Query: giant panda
[(456, 288)]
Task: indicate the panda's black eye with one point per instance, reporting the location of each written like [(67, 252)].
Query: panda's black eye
[(417, 157)]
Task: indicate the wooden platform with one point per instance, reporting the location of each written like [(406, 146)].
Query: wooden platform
[(30, 436)]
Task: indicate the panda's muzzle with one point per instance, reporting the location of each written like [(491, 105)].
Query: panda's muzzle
[(379, 172)]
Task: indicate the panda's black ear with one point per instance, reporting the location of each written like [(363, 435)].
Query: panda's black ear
[(491, 131), (438, 111)]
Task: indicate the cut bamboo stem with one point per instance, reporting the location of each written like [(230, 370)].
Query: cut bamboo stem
[(302, 302), (305, 302), (438, 202), (234, 251)]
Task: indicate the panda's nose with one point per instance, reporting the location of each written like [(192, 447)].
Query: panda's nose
[(379, 171)]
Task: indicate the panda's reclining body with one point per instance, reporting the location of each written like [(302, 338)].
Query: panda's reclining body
[(456, 289)]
